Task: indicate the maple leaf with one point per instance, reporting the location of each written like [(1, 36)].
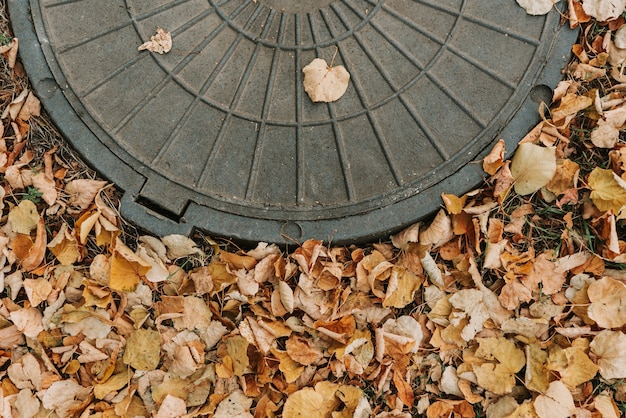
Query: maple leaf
[(160, 43), (324, 83)]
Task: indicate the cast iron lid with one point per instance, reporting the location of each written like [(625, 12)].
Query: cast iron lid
[(218, 134)]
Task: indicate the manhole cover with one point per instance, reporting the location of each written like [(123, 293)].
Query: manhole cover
[(219, 134)]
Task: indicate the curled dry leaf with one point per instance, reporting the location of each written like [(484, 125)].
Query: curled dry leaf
[(532, 167), (160, 43), (324, 83), (495, 159)]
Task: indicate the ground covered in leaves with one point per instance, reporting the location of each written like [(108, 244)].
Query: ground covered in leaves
[(511, 302)]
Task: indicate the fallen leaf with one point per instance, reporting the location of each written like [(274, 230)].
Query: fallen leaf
[(37, 290), (23, 218), (172, 407), (607, 192), (438, 232), (603, 10), (64, 246), (324, 83), (143, 350), (609, 347), (537, 7), (606, 132), (532, 167), (570, 105), (556, 402), (28, 321), (179, 246), (503, 361), (160, 43), (495, 159), (608, 302), (82, 192), (126, 268), (236, 405), (64, 396)]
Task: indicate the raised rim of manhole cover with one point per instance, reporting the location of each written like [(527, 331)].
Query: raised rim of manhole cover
[(218, 134)]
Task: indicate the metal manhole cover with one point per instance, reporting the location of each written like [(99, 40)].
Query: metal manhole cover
[(219, 134)]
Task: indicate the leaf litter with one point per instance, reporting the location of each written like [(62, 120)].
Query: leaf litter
[(508, 303)]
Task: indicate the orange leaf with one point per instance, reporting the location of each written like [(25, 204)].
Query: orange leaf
[(405, 392)]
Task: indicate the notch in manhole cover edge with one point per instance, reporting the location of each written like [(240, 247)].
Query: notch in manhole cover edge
[(366, 225)]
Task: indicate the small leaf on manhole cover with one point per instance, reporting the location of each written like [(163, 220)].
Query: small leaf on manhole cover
[(160, 43), (324, 83)]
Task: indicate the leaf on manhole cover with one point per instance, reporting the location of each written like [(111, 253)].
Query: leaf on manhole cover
[(160, 43), (324, 83)]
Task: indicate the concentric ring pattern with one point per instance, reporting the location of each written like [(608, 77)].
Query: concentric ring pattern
[(222, 125)]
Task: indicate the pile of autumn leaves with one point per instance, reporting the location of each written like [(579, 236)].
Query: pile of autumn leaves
[(451, 318)]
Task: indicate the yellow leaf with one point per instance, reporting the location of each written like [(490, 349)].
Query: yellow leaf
[(126, 268), (401, 288), (324, 83), (537, 377), (532, 167), (64, 246), (608, 302), (114, 383), (23, 218), (313, 403), (237, 348), (454, 204), (291, 369), (607, 192), (570, 105), (493, 161), (143, 349), (503, 361)]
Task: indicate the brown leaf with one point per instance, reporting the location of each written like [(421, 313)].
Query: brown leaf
[(495, 159), (82, 192), (324, 83), (404, 389), (126, 268)]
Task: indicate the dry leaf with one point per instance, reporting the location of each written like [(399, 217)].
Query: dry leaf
[(495, 159), (556, 402), (236, 405), (37, 290), (171, 407), (570, 105), (537, 7), (82, 192), (126, 268), (324, 83), (609, 347), (63, 396), (23, 218), (606, 133), (607, 190), (608, 302), (504, 360), (160, 43), (179, 246), (143, 349), (532, 167), (438, 232), (604, 9), (31, 107), (64, 246)]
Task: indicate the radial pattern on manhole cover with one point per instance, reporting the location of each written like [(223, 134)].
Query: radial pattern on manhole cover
[(219, 134)]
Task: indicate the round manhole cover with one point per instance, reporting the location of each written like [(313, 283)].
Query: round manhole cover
[(219, 134)]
